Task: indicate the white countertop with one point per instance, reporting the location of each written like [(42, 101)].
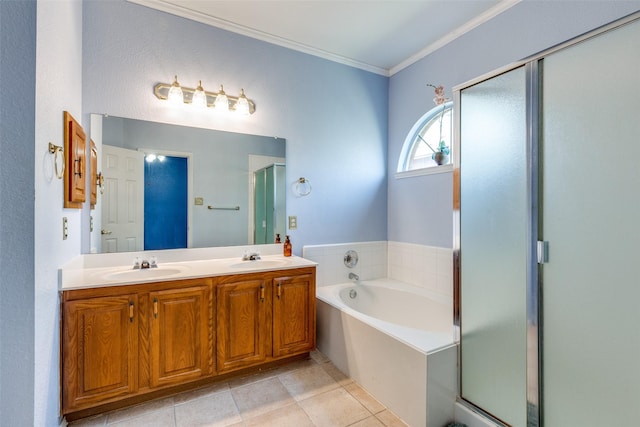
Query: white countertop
[(89, 271)]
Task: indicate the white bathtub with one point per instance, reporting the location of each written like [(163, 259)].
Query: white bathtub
[(396, 340)]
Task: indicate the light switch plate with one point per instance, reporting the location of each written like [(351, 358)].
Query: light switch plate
[(65, 228), (293, 222), (199, 201)]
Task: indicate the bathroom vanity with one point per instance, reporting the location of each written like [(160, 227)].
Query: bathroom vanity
[(134, 335)]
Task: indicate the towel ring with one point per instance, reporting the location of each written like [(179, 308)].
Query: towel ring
[(55, 149), (302, 187)]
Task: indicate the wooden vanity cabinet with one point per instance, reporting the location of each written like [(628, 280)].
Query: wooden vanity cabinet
[(123, 341), (264, 317), (99, 349), (125, 344), (294, 314), (243, 313), (180, 335)]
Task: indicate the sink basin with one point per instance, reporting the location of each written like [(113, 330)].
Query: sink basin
[(143, 274), (260, 263)]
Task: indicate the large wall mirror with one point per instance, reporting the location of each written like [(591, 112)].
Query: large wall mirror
[(169, 186)]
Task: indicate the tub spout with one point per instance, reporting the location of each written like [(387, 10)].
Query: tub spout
[(354, 277)]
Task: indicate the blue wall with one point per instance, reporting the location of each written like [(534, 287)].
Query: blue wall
[(17, 130), (420, 208), (333, 117)]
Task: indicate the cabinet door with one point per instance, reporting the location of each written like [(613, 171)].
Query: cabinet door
[(294, 315), (242, 327), (100, 350), (180, 335)]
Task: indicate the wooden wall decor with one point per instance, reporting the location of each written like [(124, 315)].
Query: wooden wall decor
[(75, 146), (93, 175)]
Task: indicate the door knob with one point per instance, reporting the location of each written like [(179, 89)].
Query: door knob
[(103, 232)]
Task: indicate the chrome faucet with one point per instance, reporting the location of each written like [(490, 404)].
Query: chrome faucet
[(139, 264), (253, 256), (354, 277)]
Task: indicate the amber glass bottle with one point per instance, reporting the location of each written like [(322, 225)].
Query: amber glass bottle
[(287, 247)]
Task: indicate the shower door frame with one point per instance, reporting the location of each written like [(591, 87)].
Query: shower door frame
[(533, 315), (534, 256)]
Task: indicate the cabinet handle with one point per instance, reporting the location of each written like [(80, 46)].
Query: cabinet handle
[(261, 293), (78, 167), (278, 294), (131, 311), (155, 308)]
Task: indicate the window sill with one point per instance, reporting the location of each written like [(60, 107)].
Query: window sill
[(425, 171)]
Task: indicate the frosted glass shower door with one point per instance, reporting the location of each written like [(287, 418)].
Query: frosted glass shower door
[(591, 219), (493, 245), (260, 203)]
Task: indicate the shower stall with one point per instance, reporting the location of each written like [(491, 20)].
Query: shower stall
[(269, 192), (547, 205)]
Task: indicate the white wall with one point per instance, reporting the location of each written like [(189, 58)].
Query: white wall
[(58, 88)]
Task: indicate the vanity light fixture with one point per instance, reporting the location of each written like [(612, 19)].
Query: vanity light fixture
[(222, 101), (150, 158), (219, 101), (242, 105), (199, 98), (175, 95)]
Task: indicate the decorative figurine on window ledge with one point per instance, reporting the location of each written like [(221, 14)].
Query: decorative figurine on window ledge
[(440, 155)]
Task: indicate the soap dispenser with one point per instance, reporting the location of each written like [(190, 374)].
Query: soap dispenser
[(287, 247), (278, 238)]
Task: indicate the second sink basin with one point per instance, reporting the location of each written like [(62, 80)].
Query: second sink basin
[(143, 274)]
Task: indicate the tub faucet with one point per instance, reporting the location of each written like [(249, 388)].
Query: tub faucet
[(354, 276)]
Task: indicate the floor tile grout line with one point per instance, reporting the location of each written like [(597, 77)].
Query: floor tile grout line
[(233, 398), (278, 373)]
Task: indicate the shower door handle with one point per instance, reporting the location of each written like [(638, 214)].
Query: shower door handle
[(543, 252)]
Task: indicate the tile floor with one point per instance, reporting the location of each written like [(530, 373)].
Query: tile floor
[(310, 392)]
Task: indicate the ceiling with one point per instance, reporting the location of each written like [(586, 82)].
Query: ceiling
[(381, 36)]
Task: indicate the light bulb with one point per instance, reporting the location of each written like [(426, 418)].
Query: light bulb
[(175, 96), (242, 105), (150, 158), (199, 98), (222, 102)]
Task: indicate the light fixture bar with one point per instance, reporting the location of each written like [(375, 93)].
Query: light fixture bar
[(161, 91)]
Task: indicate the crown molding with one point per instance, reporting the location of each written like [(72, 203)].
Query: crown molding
[(300, 47), (458, 32), (255, 34)]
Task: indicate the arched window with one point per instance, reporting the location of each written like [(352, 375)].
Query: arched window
[(430, 135)]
